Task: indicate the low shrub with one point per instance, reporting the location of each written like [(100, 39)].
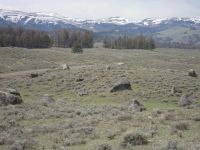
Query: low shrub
[(131, 139), (182, 126)]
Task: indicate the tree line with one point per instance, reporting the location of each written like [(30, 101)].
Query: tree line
[(187, 42), (67, 39), (125, 42), (19, 37)]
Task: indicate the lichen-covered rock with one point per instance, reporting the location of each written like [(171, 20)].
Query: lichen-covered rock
[(121, 85), (10, 97)]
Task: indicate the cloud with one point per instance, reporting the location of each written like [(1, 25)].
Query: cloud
[(2, 6)]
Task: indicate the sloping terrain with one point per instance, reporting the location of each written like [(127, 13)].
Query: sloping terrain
[(85, 114)]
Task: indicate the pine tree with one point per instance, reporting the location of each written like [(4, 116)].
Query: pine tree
[(77, 47)]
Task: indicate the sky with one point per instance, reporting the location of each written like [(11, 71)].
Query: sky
[(134, 10)]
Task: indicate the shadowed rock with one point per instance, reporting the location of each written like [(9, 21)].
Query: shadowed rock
[(79, 78), (9, 97), (34, 75), (121, 85), (192, 73)]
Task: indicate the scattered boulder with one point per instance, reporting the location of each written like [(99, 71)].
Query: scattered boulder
[(82, 92), (136, 106), (187, 100), (34, 75), (79, 78), (46, 99), (65, 67), (9, 97), (192, 73), (121, 85)]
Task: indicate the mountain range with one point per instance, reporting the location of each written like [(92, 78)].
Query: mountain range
[(181, 30)]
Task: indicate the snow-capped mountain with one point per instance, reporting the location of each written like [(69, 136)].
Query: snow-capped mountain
[(51, 21), (39, 17), (160, 21), (52, 18)]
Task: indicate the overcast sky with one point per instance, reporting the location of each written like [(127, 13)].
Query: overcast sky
[(96, 9)]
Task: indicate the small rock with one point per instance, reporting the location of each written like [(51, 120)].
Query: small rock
[(136, 106), (65, 67), (79, 79), (108, 67), (192, 73), (121, 85), (120, 63), (34, 75), (82, 92)]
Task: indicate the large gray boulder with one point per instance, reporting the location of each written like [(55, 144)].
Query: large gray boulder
[(10, 97), (121, 85)]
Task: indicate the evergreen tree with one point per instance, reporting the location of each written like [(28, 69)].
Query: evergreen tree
[(77, 47)]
